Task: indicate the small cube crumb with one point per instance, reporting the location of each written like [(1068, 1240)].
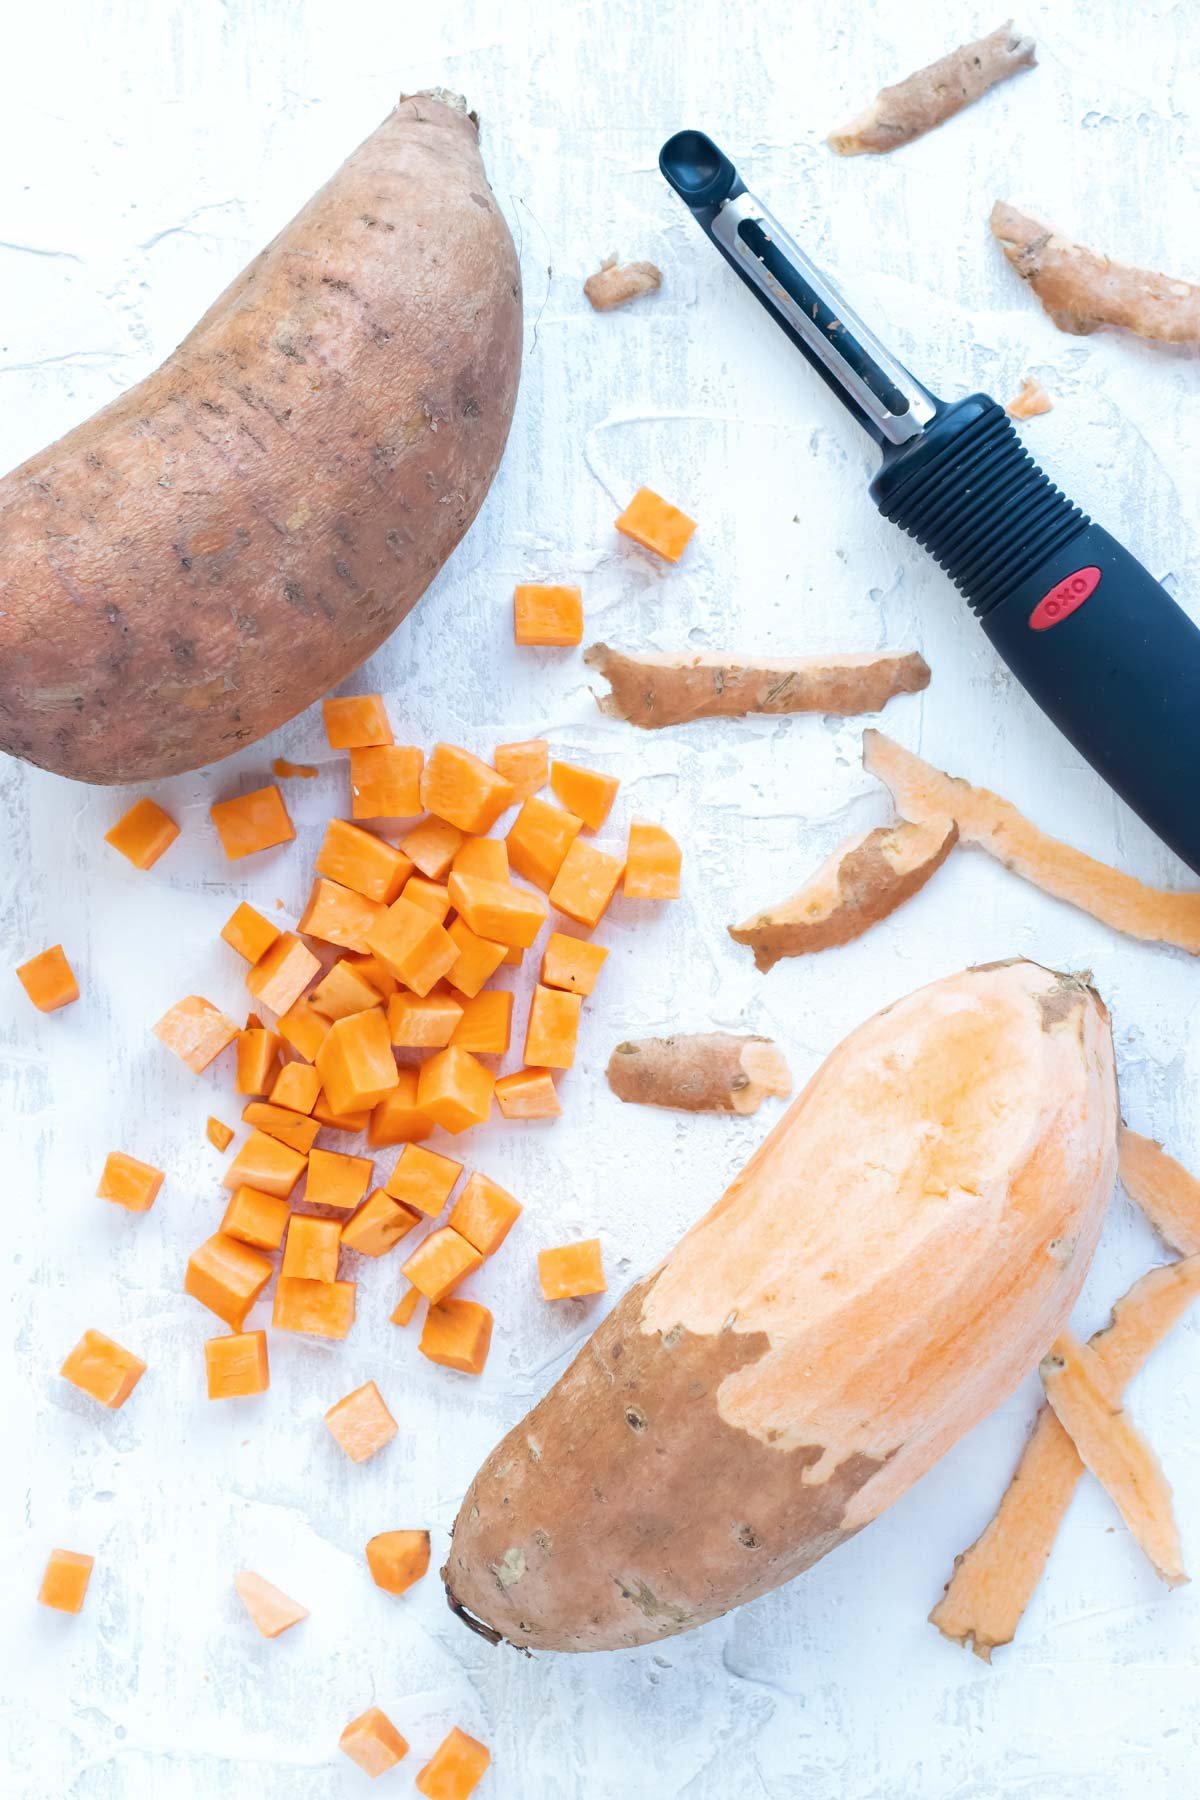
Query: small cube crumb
[(361, 1422), (101, 1369), (373, 1742), (130, 1183), (571, 1270), (407, 1305), (218, 1133), (48, 979), (455, 1769), (237, 1365), (143, 833), (270, 1609), (65, 1583)]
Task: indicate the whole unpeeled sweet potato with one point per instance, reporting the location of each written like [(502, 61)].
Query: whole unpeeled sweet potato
[(900, 1252), (207, 555)]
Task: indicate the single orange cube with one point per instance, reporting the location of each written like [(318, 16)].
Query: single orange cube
[(547, 614), (355, 1063), (585, 792), (373, 1742), (265, 1163), (344, 991), (65, 1583), (571, 1270), (48, 979), (143, 833), (101, 1369), (422, 1022), (486, 1023), (538, 841), (247, 932), (432, 896), (553, 1028), (361, 1422), (423, 1179), (252, 822), (586, 883), (255, 1218), (652, 863), (258, 1052), (455, 1769), (128, 1182), (484, 856), (227, 1276), (463, 789), (413, 945), (457, 1334), (484, 1213), (310, 1252), (528, 1094), (497, 910), (280, 977), (359, 860), (296, 1087), (525, 766), (317, 1308), (337, 915), (440, 1263), (372, 970), (398, 1559), (656, 525), (237, 1366), (385, 782), (267, 1605), (476, 959), (219, 1135), (378, 1225), (355, 720), (398, 1119), (337, 1180), (303, 1027), (195, 1031), (571, 963), (406, 1307), (455, 1089), (432, 845)]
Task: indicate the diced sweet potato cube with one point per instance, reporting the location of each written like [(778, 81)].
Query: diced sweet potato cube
[(355, 1063), (195, 1031), (525, 766), (264, 1163), (476, 959), (219, 1135), (255, 1218), (280, 977), (656, 525), (552, 1029), (303, 1027), (406, 1307), (373, 1742), (457, 1334), (101, 1369), (227, 1276), (310, 1252), (247, 932), (378, 1225), (528, 1094), (586, 883), (652, 863), (337, 1180), (484, 1213), (258, 1052), (422, 1022), (412, 943), (128, 1182), (374, 971), (497, 910), (547, 614), (571, 1270), (353, 721), (361, 1422), (463, 789), (252, 822), (455, 1769), (398, 1119), (571, 963), (486, 1024), (585, 792), (398, 1559), (297, 1130), (344, 991), (432, 846), (440, 1263), (455, 1089), (143, 833), (385, 783), (237, 1366), (431, 896), (423, 1179), (337, 915), (296, 1087), (359, 860), (538, 841), (65, 1582), (48, 979), (270, 1609), (317, 1308), (355, 1121), (481, 856)]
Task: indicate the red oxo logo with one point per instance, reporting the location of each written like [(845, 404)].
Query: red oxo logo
[(1066, 597)]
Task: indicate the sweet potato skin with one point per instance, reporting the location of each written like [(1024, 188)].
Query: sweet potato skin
[(206, 556)]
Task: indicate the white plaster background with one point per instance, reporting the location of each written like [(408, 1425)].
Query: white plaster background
[(145, 153)]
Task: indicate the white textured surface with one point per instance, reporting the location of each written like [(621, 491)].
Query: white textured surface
[(146, 152)]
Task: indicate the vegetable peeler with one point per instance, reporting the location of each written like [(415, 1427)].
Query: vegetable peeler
[(1094, 639)]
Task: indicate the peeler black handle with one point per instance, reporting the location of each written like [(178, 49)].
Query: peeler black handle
[(1096, 640)]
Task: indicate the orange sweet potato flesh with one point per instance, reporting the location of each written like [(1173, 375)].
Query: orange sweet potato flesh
[(252, 822), (316, 1308), (373, 1742), (1167, 1193), (268, 1606), (455, 1769), (933, 1156), (528, 1094), (458, 1335), (237, 1366), (65, 1583), (143, 833), (571, 1270), (656, 525), (130, 1183), (440, 1262), (101, 1369), (344, 356), (484, 1213), (361, 1422), (49, 980), (397, 1559)]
